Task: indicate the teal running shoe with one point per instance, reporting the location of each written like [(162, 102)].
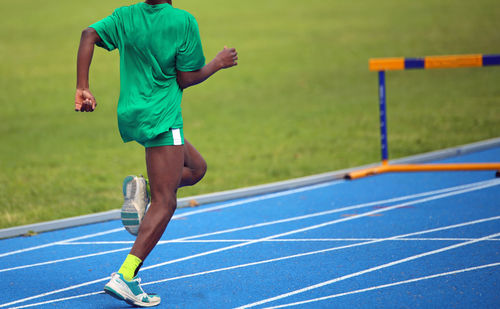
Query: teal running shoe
[(130, 291), (136, 200)]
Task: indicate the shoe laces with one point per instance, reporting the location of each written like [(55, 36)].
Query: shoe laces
[(138, 280)]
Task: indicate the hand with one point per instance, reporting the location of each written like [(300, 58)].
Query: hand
[(227, 58), (84, 101)]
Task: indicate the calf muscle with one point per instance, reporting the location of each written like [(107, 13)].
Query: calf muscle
[(165, 165)]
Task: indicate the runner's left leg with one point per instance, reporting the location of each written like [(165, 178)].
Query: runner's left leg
[(165, 166), (195, 166)]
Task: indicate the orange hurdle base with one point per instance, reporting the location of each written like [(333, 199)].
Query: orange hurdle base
[(389, 168)]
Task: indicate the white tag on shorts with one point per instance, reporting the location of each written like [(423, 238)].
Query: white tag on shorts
[(176, 135)]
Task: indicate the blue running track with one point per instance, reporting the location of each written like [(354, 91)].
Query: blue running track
[(409, 240)]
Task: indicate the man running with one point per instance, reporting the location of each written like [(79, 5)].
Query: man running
[(160, 55)]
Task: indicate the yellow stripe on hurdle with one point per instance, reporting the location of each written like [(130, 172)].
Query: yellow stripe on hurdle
[(457, 61), (384, 64)]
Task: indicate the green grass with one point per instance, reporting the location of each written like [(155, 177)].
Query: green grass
[(302, 100)]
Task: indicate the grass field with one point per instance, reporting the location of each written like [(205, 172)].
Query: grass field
[(301, 101)]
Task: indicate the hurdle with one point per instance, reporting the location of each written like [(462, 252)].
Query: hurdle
[(381, 65)]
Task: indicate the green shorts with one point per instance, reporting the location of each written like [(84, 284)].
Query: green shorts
[(174, 137)]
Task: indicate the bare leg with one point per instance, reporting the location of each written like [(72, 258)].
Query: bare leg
[(169, 167), (194, 166), (165, 167)]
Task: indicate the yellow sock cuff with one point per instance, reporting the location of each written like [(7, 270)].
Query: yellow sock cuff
[(129, 266)]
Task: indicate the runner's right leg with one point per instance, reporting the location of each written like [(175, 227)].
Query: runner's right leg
[(165, 166)]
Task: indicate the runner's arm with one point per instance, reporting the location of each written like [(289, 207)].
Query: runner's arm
[(224, 59), (84, 100)]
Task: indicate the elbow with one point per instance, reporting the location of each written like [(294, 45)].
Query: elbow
[(189, 78), (90, 34), (183, 85), (87, 32), (184, 81)]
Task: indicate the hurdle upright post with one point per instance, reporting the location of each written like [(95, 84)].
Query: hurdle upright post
[(383, 117)]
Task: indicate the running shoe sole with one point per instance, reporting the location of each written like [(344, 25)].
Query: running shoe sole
[(136, 199)]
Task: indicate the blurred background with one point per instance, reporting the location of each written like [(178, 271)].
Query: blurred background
[(301, 101)]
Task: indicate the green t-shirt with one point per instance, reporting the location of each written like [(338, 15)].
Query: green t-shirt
[(155, 41)]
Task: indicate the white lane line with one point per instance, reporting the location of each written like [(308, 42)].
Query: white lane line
[(323, 213), (58, 300), (440, 196), (378, 287), (186, 214), (455, 272), (433, 230), (93, 243), (288, 257), (348, 208), (203, 241), (261, 198), (50, 293), (64, 260), (61, 241), (317, 226), (359, 273)]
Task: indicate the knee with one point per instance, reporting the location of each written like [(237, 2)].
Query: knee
[(165, 202), (171, 202), (200, 171)]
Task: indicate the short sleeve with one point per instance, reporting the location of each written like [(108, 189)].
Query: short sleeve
[(107, 29), (190, 53)]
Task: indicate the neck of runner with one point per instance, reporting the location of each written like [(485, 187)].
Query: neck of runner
[(153, 2)]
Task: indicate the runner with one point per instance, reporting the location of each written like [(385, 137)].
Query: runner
[(160, 55)]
